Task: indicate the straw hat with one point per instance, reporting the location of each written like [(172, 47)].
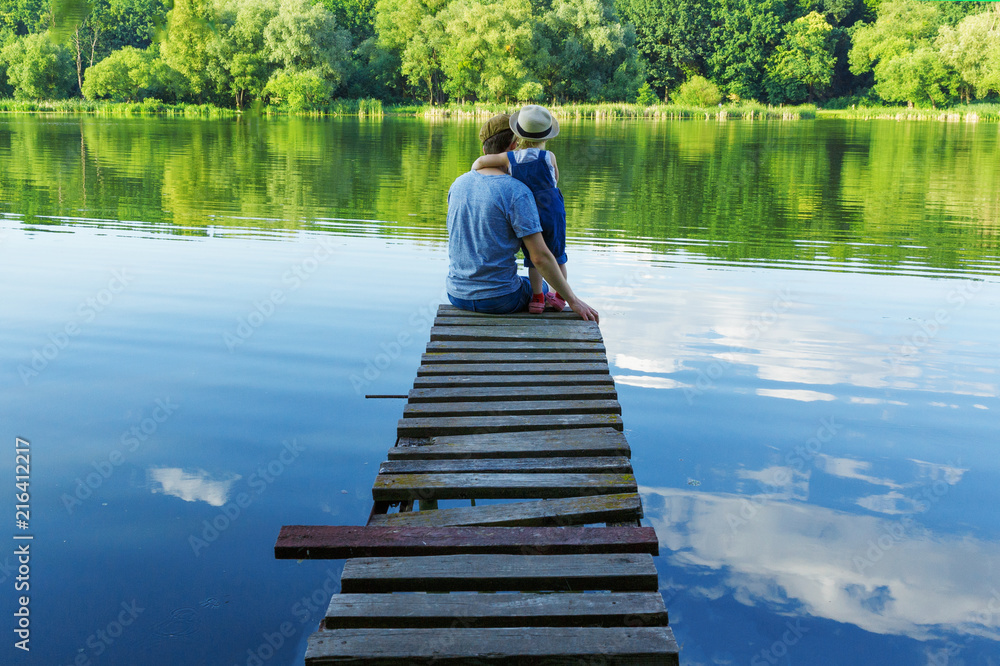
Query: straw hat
[(534, 122)]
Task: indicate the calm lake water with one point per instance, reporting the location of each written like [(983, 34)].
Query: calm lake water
[(801, 317)]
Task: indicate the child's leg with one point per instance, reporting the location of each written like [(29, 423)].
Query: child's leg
[(536, 280)]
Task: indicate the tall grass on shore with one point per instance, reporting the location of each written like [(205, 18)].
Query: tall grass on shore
[(150, 107), (613, 111), (147, 107), (963, 113)]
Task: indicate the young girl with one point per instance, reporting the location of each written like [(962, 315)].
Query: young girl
[(536, 167)]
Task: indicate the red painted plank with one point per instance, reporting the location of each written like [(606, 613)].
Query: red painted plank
[(298, 542)]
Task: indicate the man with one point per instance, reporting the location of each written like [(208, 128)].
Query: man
[(489, 215)]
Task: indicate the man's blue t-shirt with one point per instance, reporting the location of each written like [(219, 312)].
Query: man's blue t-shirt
[(487, 218)]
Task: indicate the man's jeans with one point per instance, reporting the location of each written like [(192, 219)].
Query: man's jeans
[(514, 302)]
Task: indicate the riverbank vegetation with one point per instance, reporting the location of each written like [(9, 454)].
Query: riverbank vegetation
[(590, 58)]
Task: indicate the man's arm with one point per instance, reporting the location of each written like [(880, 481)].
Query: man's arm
[(546, 264), (556, 168), (497, 161)]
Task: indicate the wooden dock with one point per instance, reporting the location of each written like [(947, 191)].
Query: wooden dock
[(519, 408)]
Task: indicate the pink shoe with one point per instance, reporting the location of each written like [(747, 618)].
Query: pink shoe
[(554, 302), (536, 307)]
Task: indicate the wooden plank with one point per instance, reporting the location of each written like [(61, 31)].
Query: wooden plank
[(338, 542), (511, 393), (480, 381), (471, 425), (545, 322), (431, 358), (573, 465), (516, 333), (509, 646), (568, 511), (558, 443), (389, 611), (510, 408), (512, 368), (400, 487), (618, 572), (521, 347)]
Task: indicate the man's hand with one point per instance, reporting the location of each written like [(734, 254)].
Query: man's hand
[(546, 264), (586, 312)]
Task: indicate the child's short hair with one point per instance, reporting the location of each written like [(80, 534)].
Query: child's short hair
[(523, 143)]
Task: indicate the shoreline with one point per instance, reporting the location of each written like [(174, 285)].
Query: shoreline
[(375, 109)]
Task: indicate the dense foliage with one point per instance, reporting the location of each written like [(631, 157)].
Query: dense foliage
[(303, 54)]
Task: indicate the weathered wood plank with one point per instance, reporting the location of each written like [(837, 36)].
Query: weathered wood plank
[(521, 347), (399, 487), (618, 572), (568, 511), (516, 333), (573, 465), (512, 393), (471, 425), (440, 358), (611, 646), (511, 408), (337, 542), (480, 381), (512, 368), (558, 443), (545, 322), (388, 611)]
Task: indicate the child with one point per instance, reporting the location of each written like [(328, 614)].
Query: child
[(536, 167)]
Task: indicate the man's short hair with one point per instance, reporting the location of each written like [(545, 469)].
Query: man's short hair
[(499, 142)]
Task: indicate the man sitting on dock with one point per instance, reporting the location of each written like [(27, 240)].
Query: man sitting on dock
[(489, 215)]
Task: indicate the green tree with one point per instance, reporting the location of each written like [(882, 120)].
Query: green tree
[(671, 38), (486, 48), (583, 52), (412, 30), (304, 37), (645, 95), (375, 71), (24, 16), (972, 48), (355, 16), (38, 68), (131, 74), (802, 65), (300, 89), (190, 31), (239, 63), (743, 36), (899, 48), (699, 91)]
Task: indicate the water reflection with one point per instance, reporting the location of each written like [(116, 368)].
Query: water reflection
[(801, 320), (191, 485), (884, 576)]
